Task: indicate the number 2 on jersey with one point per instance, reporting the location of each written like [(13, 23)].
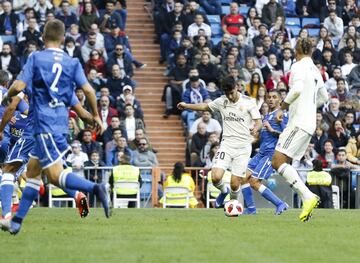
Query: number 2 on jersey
[(57, 68)]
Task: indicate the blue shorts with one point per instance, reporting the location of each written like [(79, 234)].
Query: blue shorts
[(260, 166), (19, 152), (49, 148)]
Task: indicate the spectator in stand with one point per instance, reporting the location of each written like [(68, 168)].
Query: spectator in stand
[(205, 153), (337, 134), (279, 27), (74, 33), (97, 82), (160, 14), (120, 146), (251, 14), (350, 33), (269, 47), (94, 162), (116, 36), (329, 61), (211, 7), (287, 60), (97, 62), (331, 84), (207, 71), (353, 149), (87, 18), (221, 49), (8, 61), (231, 63), (334, 112), (327, 157), (72, 50), (354, 79), (65, 14), (207, 51), (31, 47), (130, 123), (348, 64), (341, 92), (260, 58), (231, 22), (139, 134), (88, 145), (213, 91), (173, 91), (105, 111), (90, 44), (99, 37), (212, 125), (112, 133), (24, 24), (198, 141), (110, 17), (127, 97), (245, 50), (49, 16), (252, 88), (73, 130), (193, 29), (195, 92), (8, 19), (326, 9), (271, 66), (349, 11), (271, 11), (117, 81), (335, 26), (254, 30), (143, 156), (190, 16), (77, 158), (249, 69), (309, 8), (349, 123), (42, 8), (318, 139)]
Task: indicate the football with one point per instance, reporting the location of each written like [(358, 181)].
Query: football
[(233, 208)]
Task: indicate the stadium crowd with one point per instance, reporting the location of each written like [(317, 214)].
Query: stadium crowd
[(95, 34)]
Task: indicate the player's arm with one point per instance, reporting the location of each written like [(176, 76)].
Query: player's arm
[(83, 114), (322, 96), (257, 127), (194, 107), (8, 114), (17, 87)]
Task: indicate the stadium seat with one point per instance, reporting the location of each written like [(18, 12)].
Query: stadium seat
[(310, 22), (120, 202), (216, 30), (226, 2), (244, 10), (53, 198), (225, 9), (314, 32), (336, 196), (295, 30), (8, 38), (21, 16), (215, 40), (178, 193), (146, 186), (292, 21), (214, 19)]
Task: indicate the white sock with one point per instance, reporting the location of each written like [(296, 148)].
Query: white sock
[(262, 188), (234, 195), (221, 186), (293, 178)]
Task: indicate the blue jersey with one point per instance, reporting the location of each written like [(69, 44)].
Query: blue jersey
[(269, 140), (53, 76), (17, 129)]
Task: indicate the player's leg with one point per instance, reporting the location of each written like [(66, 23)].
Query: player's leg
[(216, 178), (292, 144), (7, 187), (248, 194)]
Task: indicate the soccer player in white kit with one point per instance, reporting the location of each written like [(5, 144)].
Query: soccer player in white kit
[(307, 93), (241, 120)]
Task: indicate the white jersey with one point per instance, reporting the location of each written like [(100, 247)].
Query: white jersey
[(307, 92), (237, 118)]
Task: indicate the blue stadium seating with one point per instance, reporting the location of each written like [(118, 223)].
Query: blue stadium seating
[(314, 32), (226, 2), (295, 30), (244, 10), (216, 39), (214, 19), (216, 30), (306, 21), (225, 9), (8, 38), (292, 21), (21, 16)]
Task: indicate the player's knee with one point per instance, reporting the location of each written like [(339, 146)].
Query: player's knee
[(10, 169), (254, 183), (216, 176)]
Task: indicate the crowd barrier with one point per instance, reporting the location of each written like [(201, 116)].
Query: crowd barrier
[(153, 177)]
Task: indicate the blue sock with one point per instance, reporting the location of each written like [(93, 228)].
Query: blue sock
[(269, 195), (248, 196), (30, 193), (75, 182), (7, 188), (70, 192)]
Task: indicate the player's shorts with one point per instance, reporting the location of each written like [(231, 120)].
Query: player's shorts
[(49, 148), (293, 142), (234, 158), (4, 145), (19, 152), (260, 166)]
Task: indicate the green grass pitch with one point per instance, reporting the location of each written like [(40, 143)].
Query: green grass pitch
[(178, 235)]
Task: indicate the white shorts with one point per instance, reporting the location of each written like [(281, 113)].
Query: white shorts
[(293, 142), (232, 158)]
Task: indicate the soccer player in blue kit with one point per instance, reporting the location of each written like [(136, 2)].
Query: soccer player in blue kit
[(259, 167), (53, 75), (21, 143)]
